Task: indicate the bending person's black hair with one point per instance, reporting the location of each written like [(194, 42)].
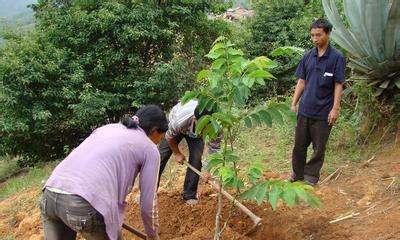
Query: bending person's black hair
[(148, 117)]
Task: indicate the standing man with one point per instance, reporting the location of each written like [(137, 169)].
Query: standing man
[(182, 124), (321, 75)]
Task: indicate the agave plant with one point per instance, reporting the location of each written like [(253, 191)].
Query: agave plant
[(372, 39)]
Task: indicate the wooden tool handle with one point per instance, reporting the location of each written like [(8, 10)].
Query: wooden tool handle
[(256, 220), (134, 231)]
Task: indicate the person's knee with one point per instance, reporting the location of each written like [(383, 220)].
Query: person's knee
[(195, 159), (319, 152), (300, 150)]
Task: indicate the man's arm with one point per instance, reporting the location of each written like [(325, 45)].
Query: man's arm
[(180, 158), (148, 180), (301, 83), (337, 97)]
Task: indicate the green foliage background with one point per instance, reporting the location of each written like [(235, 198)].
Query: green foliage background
[(88, 62), (278, 23), (85, 63)]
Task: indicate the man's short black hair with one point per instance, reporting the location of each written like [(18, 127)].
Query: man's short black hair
[(322, 23)]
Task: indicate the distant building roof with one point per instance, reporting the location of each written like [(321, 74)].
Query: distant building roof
[(238, 13), (235, 14)]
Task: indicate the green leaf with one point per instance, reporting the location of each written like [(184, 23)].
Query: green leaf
[(217, 64), (213, 82), (214, 160), (306, 195), (217, 51), (285, 111), (260, 81), (202, 123), (264, 63), (261, 193), (287, 51), (211, 105), (229, 44), (210, 131), (289, 195), (203, 74), (260, 74), (224, 118), (240, 94), (245, 63), (226, 173), (213, 55), (274, 195), (188, 96), (397, 82), (215, 126), (255, 119), (251, 193), (247, 122), (236, 68), (235, 52), (219, 39), (205, 103), (283, 107), (255, 172), (218, 46), (238, 184), (231, 157), (265, 117), (276, 115), (249, 82)]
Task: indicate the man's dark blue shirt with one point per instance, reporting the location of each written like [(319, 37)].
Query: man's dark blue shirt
[(320, 75)]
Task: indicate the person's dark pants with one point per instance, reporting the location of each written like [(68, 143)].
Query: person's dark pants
[(64, 215), (196, 146), (308, 131)]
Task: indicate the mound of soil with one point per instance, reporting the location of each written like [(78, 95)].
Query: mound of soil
[(360, 202), (357, 198)]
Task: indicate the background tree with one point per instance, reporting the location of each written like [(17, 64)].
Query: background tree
[(275, 24), (89, 62)]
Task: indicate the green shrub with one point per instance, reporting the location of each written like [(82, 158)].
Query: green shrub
[(278, 23), (89, 62)]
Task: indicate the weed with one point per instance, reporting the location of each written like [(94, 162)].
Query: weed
[(34, 177)]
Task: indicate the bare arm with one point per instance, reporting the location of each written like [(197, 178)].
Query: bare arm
[(180, 158), (174, 146), (148, 180), (337, 97), (301, 83)]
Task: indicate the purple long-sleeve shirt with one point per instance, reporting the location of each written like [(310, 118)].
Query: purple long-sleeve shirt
[(102, 170)]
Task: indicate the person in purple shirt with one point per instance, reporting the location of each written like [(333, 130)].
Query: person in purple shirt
[(321, 75), (86, 192)]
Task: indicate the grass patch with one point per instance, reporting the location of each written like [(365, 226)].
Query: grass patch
[(273, 146), (34, 177), (7, 238), (8, 167), (269, 146)]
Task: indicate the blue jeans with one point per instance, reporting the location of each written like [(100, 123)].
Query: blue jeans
[(64, 215)]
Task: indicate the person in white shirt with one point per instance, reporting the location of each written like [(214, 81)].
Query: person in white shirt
[(182, 124)]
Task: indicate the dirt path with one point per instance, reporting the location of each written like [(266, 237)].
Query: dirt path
[(368, 191)]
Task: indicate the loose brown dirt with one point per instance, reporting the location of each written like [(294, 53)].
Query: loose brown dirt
[(368, 191)]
